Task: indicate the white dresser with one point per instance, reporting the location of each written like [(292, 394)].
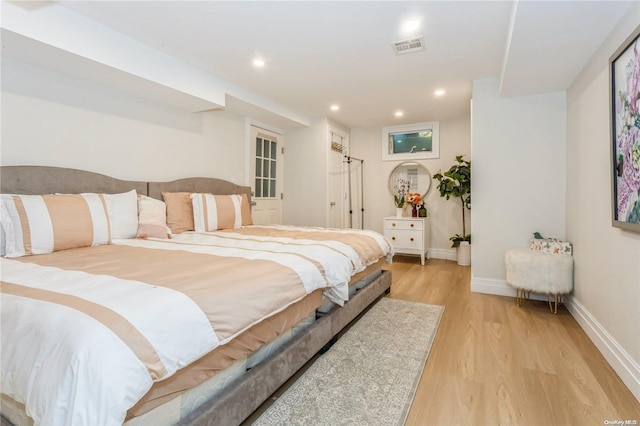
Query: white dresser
[(409, 235)]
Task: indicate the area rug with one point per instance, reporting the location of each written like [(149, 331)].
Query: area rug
[(369, 376)]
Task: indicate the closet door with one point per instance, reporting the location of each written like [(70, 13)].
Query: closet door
[(266, 170)]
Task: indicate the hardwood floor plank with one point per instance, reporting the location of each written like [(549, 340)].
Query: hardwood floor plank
[(493, 362), (464, 401)]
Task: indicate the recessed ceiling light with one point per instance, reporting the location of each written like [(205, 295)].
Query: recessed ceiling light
[(258, 63), (335, 107), (410, 26), (399, 113), (439, 92)]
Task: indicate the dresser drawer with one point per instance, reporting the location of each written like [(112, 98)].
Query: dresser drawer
[(405, 239), (408, 235), (403, 224)]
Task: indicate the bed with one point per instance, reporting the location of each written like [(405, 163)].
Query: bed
[(231, 371)]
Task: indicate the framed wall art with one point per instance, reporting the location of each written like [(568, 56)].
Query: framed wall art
[(624, 68)]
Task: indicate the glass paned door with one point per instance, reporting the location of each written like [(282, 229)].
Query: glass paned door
[(267, 175), (266, 168)]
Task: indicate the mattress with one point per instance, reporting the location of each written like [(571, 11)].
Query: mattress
[(137, 312)]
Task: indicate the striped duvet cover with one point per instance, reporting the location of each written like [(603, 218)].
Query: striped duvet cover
[(361, 247), (85, 332)]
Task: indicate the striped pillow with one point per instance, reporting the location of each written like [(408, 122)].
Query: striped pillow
[(38, 224), (212, 212)]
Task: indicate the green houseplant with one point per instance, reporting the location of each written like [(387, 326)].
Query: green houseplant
[(456, 183)]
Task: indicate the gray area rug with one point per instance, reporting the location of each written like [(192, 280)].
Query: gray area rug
[(369, 376)]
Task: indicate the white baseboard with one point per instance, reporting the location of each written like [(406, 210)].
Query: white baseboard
[(446, 254), (625, 366), (491, 286), (498, 288)]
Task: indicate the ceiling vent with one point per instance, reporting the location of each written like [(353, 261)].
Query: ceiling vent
[(410, 45)]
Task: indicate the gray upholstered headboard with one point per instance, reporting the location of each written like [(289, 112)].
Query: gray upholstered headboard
[(50, 180), (204, 185)]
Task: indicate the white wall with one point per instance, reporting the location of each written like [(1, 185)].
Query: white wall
[(446, 216), (56, 120), (518, 176), (607, 260), (306, 176)]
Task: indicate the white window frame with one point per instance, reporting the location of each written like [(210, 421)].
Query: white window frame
[(387, 149)]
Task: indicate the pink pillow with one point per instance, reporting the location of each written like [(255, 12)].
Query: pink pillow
[(179, 211), (152, 218)]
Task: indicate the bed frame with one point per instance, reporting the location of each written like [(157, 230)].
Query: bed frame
[(238, 401)]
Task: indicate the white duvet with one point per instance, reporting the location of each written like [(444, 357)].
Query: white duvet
[(60, 362)]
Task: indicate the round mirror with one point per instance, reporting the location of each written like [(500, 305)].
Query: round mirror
[(412, 175)]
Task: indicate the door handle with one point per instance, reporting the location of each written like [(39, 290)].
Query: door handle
[(253, 203), (332, 203)]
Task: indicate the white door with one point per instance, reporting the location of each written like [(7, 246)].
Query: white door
[(266, 170), (337, 179)]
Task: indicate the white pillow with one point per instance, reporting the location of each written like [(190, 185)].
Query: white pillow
[(152, 218), (123, 214), (38, 224)]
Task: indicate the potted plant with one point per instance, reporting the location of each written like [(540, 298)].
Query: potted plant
[(456, 182)]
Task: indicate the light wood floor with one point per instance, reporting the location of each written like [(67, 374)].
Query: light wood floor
[(494, 363)]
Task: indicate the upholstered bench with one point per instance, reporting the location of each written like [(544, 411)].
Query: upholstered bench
[(545, 267)]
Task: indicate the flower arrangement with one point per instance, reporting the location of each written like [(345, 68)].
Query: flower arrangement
[(414, 199), (401, 189)]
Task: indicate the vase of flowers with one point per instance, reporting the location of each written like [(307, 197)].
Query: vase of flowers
[(415, 200), (401, 189)]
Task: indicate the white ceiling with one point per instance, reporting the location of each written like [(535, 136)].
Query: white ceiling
[(320, 53)]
